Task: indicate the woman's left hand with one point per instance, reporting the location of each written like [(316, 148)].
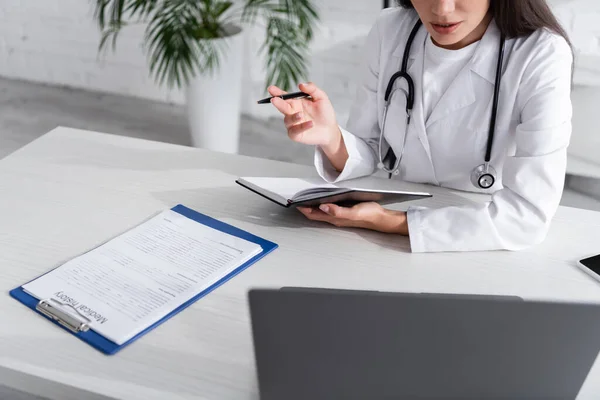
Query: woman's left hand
[(363, 215)]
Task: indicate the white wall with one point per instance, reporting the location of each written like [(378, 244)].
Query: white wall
[(580, 18), (56, 42)]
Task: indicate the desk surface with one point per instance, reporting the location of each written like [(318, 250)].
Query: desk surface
[(70, 190)]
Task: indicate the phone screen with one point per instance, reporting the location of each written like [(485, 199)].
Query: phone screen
[(593, 263)]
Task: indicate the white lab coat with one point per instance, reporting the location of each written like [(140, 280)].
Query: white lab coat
[(530, 145)]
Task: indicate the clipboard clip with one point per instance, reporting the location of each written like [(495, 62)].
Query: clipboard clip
[(53, 310)]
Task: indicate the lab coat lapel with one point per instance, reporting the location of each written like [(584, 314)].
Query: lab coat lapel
[(461, 92), (415, 70), (485, 59)]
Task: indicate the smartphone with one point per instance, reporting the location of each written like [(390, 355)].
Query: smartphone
[(591, 266)]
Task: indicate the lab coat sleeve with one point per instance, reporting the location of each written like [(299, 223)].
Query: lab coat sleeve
[(518, 215), (362, 130)]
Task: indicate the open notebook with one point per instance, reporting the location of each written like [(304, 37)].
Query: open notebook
[(290, 192)]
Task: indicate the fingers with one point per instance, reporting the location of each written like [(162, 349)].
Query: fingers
[(304, 210), (330, 213), (296, 127), (275, 91), (283, 106), (315, 214), (295, 132), (337, 211), (313, 91), (291, 120)]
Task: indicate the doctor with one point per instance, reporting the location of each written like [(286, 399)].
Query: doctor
[(466, 94)]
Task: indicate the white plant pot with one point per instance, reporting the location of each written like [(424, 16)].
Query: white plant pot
[(214, 101)]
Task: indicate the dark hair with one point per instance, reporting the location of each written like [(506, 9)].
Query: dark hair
[(517, 18)]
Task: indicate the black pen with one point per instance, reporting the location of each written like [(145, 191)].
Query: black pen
[(287, 96)]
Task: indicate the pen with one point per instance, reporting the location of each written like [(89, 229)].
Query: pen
[(287, 96)]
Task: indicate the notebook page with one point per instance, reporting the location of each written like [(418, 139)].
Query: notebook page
[(134, 280), (287, 187), (385, 185)]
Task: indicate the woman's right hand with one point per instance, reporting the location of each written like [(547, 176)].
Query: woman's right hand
[(309, 121)]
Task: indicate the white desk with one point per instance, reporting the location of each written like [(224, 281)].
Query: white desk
[(70, 190)]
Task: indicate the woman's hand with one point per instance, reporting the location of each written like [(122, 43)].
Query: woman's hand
[(308, 121), (363, 215), (312, 122)]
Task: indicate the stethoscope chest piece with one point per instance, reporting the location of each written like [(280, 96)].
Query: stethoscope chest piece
[(483, 177)]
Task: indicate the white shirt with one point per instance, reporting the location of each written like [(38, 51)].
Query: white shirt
[(441, 67)]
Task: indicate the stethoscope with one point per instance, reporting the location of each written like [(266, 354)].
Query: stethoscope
[(483, 176)]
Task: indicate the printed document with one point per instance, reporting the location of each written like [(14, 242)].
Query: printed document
[(137, 278)]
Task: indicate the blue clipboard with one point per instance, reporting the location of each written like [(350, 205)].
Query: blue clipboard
[(108, 347)]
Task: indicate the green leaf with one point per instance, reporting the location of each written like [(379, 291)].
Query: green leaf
[(110, 33), (287, 52), (175, 52), (179, 34), (100, 12), (253, 8), (143, 8), (221, 8)]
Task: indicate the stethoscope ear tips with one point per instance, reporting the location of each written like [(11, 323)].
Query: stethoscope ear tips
[(396, 172)]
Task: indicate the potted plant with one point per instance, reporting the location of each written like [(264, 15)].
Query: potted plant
[(197, 46)]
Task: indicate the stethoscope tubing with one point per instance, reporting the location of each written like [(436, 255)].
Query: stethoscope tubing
[(482, 170)]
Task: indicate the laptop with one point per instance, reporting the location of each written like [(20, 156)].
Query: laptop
[(344, 344)]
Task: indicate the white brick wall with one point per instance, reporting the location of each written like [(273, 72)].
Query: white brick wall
[(56, 42)]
